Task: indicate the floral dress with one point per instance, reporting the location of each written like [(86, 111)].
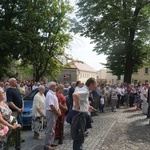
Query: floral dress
[(6, 113)]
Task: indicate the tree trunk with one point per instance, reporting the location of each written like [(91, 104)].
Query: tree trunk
[(37, 75), (128, 65)]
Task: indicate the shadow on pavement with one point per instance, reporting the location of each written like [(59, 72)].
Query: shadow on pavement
[(129, 110), (139, 132)]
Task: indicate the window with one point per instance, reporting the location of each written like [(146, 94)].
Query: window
[(146, 81), (135, 82), (146, 70)]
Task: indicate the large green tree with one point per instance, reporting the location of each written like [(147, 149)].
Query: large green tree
[(120, 29), (38, 32), (50, 22)]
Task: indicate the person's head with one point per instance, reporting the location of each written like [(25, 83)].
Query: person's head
[(115, 86), (91, 83), (67, 85), (52, 86), (147, 85), (73, 84), (79, 84), (2, 95), (60, 88), (6, 85), (2, 84), (38, 84), (41, 89), (12, 82), (21, 84)]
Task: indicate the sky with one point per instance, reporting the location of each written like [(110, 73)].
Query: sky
[(81, 49)]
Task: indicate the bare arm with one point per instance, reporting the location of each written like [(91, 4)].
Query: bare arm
[(57, 112), (22, 105), (76, 101), (40, 112), (12, 105), (63, 107), (2, 121)]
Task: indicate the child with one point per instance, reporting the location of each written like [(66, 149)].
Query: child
[(102, 104)]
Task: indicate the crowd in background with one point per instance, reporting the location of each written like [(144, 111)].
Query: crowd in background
[(102, 96), (118, 95)]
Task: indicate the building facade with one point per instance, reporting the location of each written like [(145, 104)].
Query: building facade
[(143, 76), (76, 70)]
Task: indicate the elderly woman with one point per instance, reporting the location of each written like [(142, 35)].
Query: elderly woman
[(38, 112), (63, 108), (5, 121)]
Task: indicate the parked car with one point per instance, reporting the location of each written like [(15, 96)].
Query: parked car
[(28, 102)]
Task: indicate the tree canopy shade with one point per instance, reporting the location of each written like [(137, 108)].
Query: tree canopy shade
[(120, 29), (35, 32)]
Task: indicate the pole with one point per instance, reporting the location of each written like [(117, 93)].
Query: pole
[(60, 130)]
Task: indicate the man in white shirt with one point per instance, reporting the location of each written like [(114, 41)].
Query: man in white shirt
[(81, 105), (52, 113), (144, 92)]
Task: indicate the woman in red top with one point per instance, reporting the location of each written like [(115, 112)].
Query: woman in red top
[(63, 108)]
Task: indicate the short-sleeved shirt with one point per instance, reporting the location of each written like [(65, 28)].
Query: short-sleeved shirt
[(13, 95), (38, 102), (51, 99)]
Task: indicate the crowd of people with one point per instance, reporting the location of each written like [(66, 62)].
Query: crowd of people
[(118, 95), (85, 101)]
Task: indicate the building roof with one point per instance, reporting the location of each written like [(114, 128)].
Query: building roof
[(82, 66)]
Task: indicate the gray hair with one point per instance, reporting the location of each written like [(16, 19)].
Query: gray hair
[(73, 83), (11, 79), (41, 87), (51, 84)]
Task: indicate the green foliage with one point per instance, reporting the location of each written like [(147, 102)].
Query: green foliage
[(34, 31), (120, 29)]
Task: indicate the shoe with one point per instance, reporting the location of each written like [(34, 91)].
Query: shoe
[(57, 138), (46, 147), (22, 140), (53, 145), (37, 136), (113, 110)]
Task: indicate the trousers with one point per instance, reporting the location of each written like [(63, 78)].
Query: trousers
[(51, 118)]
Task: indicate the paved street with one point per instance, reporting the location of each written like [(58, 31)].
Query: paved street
[(126, 129)]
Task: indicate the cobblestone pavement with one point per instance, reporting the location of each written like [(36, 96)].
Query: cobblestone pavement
[(130, 132), (125, 129)]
